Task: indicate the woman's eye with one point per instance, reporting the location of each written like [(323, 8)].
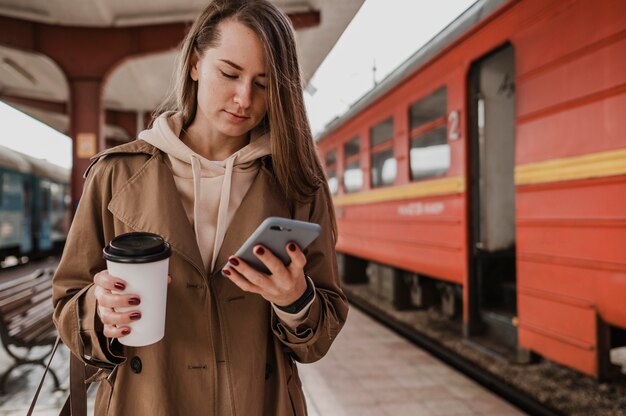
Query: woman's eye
[(258, 84), (229, 76)]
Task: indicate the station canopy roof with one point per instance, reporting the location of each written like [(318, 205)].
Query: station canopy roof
[(138, 84)]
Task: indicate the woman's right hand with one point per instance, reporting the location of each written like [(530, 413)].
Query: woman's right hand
[(115, 323)]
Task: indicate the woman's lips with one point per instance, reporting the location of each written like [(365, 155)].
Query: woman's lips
[(236, 117)]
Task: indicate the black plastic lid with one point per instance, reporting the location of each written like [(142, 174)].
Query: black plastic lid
[(137, 248)]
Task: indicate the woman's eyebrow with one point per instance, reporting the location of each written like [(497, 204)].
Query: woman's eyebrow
[(237, 67)]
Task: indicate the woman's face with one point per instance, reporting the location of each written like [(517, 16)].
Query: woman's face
[(231, 82)]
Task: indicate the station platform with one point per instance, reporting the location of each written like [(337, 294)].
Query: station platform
[(369, 371)]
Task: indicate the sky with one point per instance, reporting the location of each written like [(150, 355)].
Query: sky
[(384, 33), (25, 134)]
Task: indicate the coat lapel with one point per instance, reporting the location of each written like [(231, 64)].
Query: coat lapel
[(262, 200), (148, 202), (162, 213)]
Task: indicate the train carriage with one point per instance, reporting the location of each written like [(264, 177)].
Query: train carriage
[(490, 169), (34, 205), (51, 205), (15, 235)]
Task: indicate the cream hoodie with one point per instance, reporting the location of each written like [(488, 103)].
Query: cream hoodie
[(200, 180)]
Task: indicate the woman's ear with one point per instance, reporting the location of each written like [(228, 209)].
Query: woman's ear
[(193, 69)]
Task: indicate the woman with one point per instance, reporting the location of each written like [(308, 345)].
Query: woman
[(236, 149)]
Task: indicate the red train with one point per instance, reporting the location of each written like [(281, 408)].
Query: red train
[(489, 172)]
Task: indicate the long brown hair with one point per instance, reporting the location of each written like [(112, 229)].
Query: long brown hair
[(295, 162)]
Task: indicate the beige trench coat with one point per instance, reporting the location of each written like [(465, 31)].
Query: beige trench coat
[(211, 324)]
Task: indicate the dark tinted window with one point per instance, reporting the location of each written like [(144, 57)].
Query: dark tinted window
[(353, 177), (331, 158), (428, 109), (331, 171), (333, 182), (382, 132), (430, 154), (383, 168), (351, 147), (45, 200)]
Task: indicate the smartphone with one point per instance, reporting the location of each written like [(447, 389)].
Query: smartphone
[(275, 233)]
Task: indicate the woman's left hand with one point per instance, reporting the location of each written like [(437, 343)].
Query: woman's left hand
[(283, 287)]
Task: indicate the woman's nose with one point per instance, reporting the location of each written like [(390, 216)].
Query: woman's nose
[(243, 95)]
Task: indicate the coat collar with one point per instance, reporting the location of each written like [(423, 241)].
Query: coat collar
[(149, 201)]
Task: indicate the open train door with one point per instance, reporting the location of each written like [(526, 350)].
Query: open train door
[(492, 284)]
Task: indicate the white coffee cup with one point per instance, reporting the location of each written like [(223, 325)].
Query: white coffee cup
[(142, 261)]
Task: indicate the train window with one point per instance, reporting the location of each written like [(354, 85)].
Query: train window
[(383, 168), (54, 196), (331, 158), (10, 190), (27, 197), (45, 200), (353, 177), (351, 147), (331, 171), (430, 154), (382, 132), (429, 109), (383, 162), (333, 182)]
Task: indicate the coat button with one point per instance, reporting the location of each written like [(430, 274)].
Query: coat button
[(135, 365)]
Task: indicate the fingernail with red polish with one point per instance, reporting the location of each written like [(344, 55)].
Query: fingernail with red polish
[(125, 331), (120, 286), (260, 251), (134, 301), (135, 315), (292, 247), (234, 261), (226, 272)]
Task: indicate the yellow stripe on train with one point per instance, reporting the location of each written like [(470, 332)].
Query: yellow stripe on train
[(595, 165), (434, 187)]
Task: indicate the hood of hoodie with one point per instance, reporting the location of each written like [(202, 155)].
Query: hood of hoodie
[(211, 190), (165, 133)]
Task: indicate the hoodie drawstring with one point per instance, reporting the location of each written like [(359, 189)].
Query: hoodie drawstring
[(211, 184), (222, 213), (197, 189)]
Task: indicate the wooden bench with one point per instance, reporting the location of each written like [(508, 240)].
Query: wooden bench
[(26, 319)]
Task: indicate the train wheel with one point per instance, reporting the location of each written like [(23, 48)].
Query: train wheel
[(451, 301), (422, 290)]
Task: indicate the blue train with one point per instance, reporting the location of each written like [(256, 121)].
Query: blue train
[(34, 206)]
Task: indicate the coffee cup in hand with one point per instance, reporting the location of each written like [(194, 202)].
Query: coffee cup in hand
[(142, 261)]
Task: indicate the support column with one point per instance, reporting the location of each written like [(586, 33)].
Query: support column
[(86, 125), (141, 122), (147, 119)]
